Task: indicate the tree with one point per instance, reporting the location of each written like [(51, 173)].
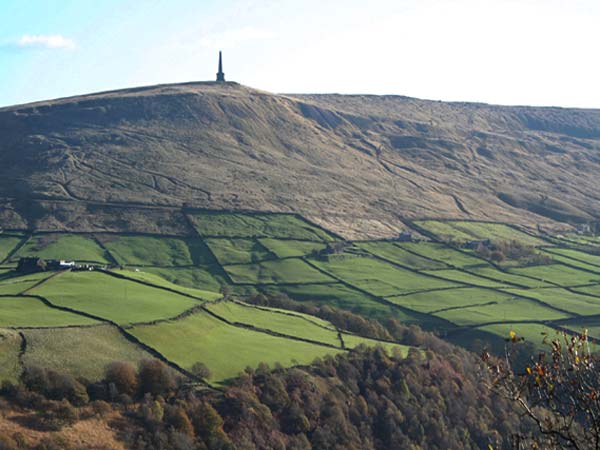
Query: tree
[(201, 370), (155, 377), (558, 390), (123, 375), (179, 420)]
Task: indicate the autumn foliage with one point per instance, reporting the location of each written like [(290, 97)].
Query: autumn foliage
[(558, 390)]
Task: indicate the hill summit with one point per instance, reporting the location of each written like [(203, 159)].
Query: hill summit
[(361, 165)]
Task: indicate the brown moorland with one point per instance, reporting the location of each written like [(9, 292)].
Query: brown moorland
[(360, 165)]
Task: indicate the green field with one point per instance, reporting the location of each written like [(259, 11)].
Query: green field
[(577, 304), (238, 251), (429, 284), (10, 346), (160, 281), (430, 302), (379, 278), (226, 350), (505, 277), (8, 244), (558, 274), (444, 230), (576, 264), (279, 271), (290, 248), (509, 310), (18, 312), (209, 278), (82, 352), (592, 325), (443, 253), (63, 246), (12, 283), (284, 226), (575, 258), (497, 232), (399, 255), (570, 239), (353, 341), (467, 231), (278, 321), (112, 298), (463, 277), (157, 251), (531, 332), (591, 290), (335, 294)]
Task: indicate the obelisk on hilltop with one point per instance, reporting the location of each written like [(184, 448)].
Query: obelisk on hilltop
[(220, 74)]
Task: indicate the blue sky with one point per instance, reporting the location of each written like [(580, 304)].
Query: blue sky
[(540, 52)]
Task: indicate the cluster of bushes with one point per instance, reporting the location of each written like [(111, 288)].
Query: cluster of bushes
[(368, 399), (513, 250), (152, 399)]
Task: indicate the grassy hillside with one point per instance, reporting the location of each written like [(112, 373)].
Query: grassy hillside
[(181, 298), (226, 350), (359, 165)]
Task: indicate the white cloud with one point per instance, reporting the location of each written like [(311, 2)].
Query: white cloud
[(53, 41), (232, 38)]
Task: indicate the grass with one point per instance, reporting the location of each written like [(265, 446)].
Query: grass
[(468, 231), (444, 254), (428, 302), (226, 350), (399, 255), (63, 246), (8, 244), (287, 226), (582, 239), (18, 312), (238, 251), (340, 296), (508, 310), (12, 283), (336, 295), (279, 321), (591, 324), (506, 277), (353, 341), (444, 230), (563, 299), (592, 290), (575, 263), (575, 258), (158, 251), (159, 281), (559, 274), (496, 232), (112, 298), (379, 278), (279, 271), (531, 332), (291, 248), (10, 346), (82, 352), (465, 277), (209, 278)]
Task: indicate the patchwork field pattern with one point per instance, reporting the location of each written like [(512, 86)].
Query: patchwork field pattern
[(63, 246), (225, 349), (181, 299)]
